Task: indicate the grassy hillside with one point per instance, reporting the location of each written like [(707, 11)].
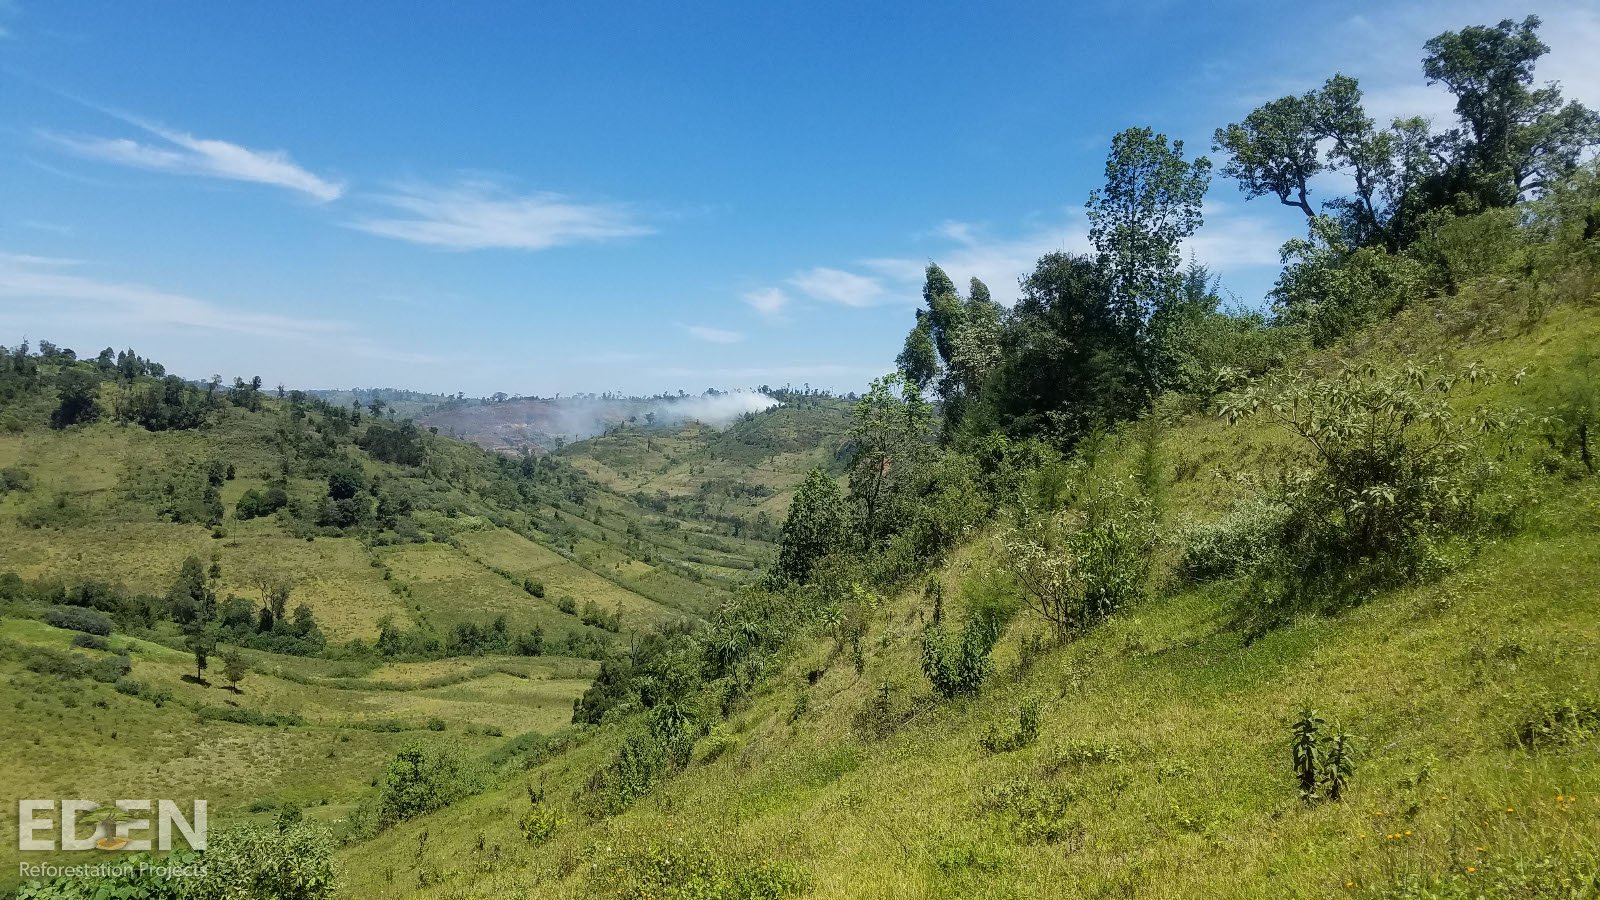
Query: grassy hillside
[(1161, 761), (744, 474), (104, 515)]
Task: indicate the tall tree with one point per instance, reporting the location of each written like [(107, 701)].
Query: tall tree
[(815, 527), (892, 435), (76, 390), (919, 359), (1513, 138), (1150, 203)]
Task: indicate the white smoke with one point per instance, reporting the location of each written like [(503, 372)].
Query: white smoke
[(716, 410)]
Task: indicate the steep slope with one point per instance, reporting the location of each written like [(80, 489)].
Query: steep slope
[(1161, 764)]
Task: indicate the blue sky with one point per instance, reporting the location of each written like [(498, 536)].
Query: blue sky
[(541, 198)]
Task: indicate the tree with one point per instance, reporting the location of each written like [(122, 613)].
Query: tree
[(345, 481), (234, 668), (919, 360), (814, 527), (1067, 361), (1513, 138), (1149, 205), (892, 436), (76, 390), (1278, 149), (194, 606)]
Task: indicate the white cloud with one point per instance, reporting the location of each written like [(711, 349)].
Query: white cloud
[(185, 154), (476, 215), (713, 335), (838, 286), (767, 301), (42, 291)]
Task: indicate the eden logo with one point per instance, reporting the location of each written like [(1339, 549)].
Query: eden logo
[(114, 825)]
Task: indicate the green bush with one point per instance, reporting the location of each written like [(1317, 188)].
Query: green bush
[(129, 686), (294, 862), (421, 779), (76, 618), (90, 641), (1392, 473), (681, 871), (1235, 543), (959, 665), (1024, 735), (1077, 572), (110, 669)]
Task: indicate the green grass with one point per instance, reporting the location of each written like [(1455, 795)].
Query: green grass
[(1162, 769)]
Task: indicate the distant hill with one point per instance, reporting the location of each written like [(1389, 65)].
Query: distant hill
[(446, 588)]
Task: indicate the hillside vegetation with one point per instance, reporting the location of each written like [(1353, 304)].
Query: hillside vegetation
[(1111, 592), (376, 584)]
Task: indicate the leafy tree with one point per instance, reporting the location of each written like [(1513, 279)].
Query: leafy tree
[(1149, 205), (78, 406), (1394, 472), (234, 668), (1068, 361), (892, 438), (919, 359), (345, 481), (1513, 138), (815, 527)]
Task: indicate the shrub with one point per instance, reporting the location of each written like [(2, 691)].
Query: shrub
[(539, 824), (129, 686), (682, 871), (1323, 757), (1393, 473), (293, 862), (110, 669), (1077, 574), (421, 779), (1565, 721), (90, 641), (75, 618), (1235, 543), (960, 665), (643, 760), (243, 716), (1025, 734)]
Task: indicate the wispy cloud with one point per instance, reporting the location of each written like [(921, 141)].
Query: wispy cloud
[(838, 286), (478, 214), (767, 301), (47, 287), (184, 154), (713, 335)]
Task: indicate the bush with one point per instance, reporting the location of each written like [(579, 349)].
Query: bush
[(75, 618), (1393, 473), (959, 666), (110, 669), (1234, 543), (1077, 573), (643, 760), (129, 686), (244, 716), (421, 779), (681, 871), (90, 641), (1558, 723), (1025, 734), (294, 862)]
